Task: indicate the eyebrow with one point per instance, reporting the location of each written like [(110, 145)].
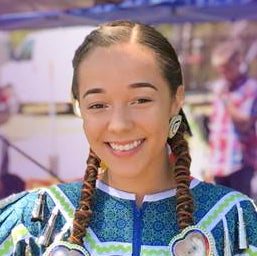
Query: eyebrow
[(142, 85), (133, 86), (93, 91)]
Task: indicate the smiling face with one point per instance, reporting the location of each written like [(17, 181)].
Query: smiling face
[(126, 105)]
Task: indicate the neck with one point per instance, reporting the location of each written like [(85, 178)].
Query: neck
[(152, 183)]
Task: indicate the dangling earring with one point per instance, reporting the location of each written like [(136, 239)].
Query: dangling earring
[(103, 168), (174, 125)]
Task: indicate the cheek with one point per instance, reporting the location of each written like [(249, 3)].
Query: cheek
[(92, 131), (160, 129), (87, 131)]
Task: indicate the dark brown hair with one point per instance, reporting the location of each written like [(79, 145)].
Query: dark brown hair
[(121, 32)]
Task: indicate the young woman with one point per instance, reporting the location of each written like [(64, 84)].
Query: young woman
[(128, 88)]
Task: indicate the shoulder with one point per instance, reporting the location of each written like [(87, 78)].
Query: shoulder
[(70, 191), (16, 211), (216, 201), (23, 200), (18, 202), (229, 216), (211, 196), (19, 207), (210, 189)]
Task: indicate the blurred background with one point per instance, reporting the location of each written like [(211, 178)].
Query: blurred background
[(42, 141)]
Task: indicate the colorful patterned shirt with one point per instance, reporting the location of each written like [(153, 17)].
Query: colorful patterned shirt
[(118, 227)]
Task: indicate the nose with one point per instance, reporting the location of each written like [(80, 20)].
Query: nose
[(120, 120)]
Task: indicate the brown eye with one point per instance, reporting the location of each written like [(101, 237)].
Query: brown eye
[(141, 101), (97, 106)]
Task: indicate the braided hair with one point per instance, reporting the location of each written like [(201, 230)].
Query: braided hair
[(121, 32)]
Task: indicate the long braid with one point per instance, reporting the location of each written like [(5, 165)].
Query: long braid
[(83, 213), (185, 205)]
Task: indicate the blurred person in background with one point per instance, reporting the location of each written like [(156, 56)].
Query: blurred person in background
[(233, 136)]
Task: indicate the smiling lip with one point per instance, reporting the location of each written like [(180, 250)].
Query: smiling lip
[(124, 147)]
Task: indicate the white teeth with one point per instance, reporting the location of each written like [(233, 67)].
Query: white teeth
[(125, 147)]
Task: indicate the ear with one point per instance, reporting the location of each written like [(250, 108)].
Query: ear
[(76, 108), (179, 99)]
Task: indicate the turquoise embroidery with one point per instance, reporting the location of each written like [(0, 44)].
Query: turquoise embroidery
[(223, 206), (111, 228)]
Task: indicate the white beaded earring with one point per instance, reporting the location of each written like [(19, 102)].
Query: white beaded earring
[(174, 124)]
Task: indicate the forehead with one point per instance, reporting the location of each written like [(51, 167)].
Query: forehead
[(122, 63), (114, 68)]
